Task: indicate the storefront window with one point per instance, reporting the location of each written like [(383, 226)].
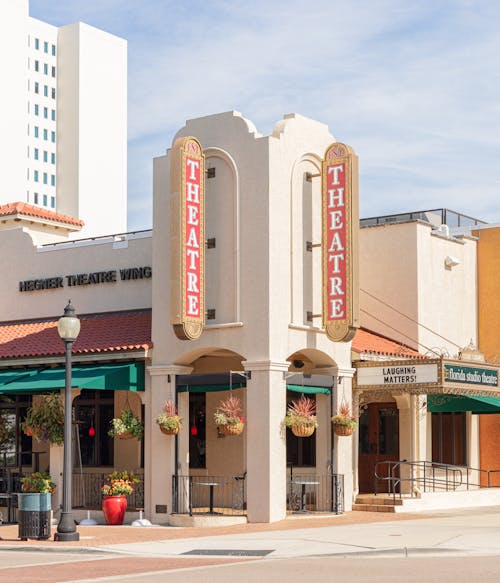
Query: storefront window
[(300, 451), (449, 438), (93, 413), (14, 442), (197, 430)]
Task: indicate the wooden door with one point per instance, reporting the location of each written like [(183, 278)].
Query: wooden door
[(378, 441)]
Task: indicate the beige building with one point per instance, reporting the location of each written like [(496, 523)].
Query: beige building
[(262, 340)]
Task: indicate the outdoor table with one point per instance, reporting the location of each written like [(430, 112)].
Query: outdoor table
[(303, 484), (211, 503)]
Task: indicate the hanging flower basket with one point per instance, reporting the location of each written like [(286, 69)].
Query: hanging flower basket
[(124, 435), (231, 428), (45, 420), (228, 417), (343, 430), (168, 420), (302, 430), (301, 417), (344, 422), (126, 426)]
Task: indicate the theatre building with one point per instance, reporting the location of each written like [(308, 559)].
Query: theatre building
[(252, 284)]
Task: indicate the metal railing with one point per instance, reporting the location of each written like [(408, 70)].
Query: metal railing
[(211, 495), (87, 491), (315, 493), (426, 476)]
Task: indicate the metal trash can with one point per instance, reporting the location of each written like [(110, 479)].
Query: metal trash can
[(34, 516)]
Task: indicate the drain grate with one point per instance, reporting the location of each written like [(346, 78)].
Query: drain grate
[(230, 552)]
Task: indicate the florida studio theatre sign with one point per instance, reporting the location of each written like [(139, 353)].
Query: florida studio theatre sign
[(340, 227), (187, 238)]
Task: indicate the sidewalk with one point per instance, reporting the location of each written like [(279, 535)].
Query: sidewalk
[(104, 536)]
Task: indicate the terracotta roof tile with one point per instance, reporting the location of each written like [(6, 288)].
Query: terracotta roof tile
[(366, 341), (107, 332), (30, 210)]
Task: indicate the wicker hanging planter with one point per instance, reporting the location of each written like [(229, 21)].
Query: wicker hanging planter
[(168, 420), (302, 430), (231, 428), (228, 417), (343, 430), (170, 431), (124, 435)]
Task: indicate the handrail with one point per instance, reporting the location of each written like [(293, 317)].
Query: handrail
[(423, 473)]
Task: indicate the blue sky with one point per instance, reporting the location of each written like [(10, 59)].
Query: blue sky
[(414, 87)]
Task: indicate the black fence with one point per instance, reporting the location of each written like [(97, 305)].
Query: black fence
[(315, 493), (212, 495), (87, 491)]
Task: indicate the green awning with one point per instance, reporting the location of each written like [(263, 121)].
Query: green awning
[(209, 388), (225, 387), (308, 390), (460, 403), (115, 377)]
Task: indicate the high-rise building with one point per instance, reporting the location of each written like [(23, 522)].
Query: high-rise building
[(63, 119)]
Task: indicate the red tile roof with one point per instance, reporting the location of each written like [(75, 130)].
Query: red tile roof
[(30, 210), (107, 332), (370, 342)]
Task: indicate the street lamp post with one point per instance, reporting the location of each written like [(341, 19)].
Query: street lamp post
[(68, 327)]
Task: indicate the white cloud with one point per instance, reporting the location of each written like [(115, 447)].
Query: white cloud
[(414, 87)]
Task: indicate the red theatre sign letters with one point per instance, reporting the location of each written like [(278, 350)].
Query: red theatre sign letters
[(187, 238), (340, 242)]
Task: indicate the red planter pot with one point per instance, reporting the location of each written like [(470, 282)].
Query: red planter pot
[(114, 509)]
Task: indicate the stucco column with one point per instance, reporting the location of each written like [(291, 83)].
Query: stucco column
[(265, 441), (159, 450), (344, 447), (407, 435)]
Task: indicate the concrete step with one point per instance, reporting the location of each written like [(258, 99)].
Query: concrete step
[(373, 507), (378, 500)]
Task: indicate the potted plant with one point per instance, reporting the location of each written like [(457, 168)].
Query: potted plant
[(114, 503), (168, 420), (35, 505), (228, 417), (126, 426), (45, 419), (344, 423), (301, 417)]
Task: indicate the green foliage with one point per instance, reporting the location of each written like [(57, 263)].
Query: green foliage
[(45, 419), (344, 416), (229, 412), (301, 412), (7, 431), (169, 418), (38, 483), (126, 423), (119, 484)]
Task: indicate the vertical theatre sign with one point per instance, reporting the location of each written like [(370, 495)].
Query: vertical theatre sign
[(340, 226), (187, 238)]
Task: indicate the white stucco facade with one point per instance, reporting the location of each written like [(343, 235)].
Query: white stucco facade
[(259, 208)]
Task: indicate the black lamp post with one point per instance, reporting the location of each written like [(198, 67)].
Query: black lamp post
[(68, 327)]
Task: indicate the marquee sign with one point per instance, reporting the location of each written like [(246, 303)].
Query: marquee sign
[(187, 238), (340, 225), (470, 375), (396, 374)]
